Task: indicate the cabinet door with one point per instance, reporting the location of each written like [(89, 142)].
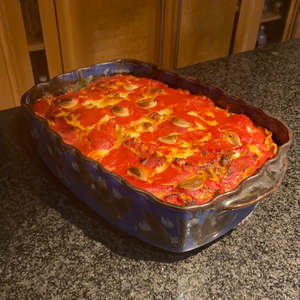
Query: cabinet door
[(205, 30), (14, 53), (98, 30), (292, 21), (248, 24), (6, 99), (50, 36), (296, 33)]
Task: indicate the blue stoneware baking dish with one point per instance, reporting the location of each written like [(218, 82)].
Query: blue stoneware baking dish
[(138, 212)]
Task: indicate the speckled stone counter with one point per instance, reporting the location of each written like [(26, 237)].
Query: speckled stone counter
[(54, 247)]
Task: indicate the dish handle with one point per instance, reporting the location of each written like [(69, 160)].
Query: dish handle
[(266, 184)]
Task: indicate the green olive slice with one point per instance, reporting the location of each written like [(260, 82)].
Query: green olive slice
[(146, 103), (192, 183), (180, 122), (146, 126), (67, 103), (120, 111), (171, 139), (137, 172), (129, 86), (232, 138)]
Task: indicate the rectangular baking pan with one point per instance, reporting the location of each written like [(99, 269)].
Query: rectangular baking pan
[(138, 212)]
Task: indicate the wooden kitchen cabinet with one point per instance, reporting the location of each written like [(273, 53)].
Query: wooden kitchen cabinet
[(280, 18), (24, 50), (297, 29), (7, 99), (42, 38), (15, 72), (205, 31), (171, 33), (96, 31)]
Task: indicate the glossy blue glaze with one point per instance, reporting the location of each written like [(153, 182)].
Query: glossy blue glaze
[(135, 211)]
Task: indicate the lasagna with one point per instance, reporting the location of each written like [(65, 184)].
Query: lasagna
[(178, 146)]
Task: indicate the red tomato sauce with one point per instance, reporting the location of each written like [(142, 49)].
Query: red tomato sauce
[(187, 149)]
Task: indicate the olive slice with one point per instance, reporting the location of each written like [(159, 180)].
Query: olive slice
[(67, 103), (171, 139), (180, 122), (232, 138), (120, 111), (146, 126), (129, 86), (192, 183), (137, 172), (146, 103)]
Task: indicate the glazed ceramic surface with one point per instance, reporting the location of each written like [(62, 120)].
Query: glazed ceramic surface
[(168, 226)]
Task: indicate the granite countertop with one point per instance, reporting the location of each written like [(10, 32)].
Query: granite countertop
[(54, 247)]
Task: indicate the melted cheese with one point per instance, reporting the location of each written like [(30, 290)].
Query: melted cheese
[(101, 103), (198, 155)]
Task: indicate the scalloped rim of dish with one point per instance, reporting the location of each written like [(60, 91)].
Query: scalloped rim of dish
[(215, 200)]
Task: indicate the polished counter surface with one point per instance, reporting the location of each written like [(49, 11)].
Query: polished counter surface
[(54, 247)]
